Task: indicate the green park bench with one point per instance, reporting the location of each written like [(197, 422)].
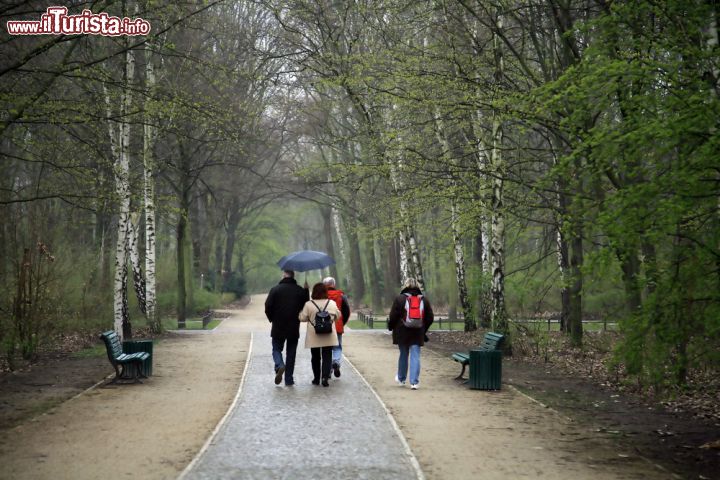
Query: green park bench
[(485, 363), (127, 365)]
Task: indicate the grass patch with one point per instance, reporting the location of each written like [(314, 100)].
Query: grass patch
[(192, 323), (379, 324), (357, 325), (95, 351), (593, 326)]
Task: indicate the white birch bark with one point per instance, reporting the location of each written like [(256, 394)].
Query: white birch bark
[(457, 237), (406, 267), (410, 263), (119, 145), (460, 269), (404, 264), (497, 240), (149, 136), (135, 262), (415, 259)]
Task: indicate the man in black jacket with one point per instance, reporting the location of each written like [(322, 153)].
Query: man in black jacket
[(282, 307)]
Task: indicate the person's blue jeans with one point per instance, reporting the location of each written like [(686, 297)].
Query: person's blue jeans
[(411, 353), (289, 363), (337, 351)]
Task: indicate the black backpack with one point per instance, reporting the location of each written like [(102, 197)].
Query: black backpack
[(323, 321)]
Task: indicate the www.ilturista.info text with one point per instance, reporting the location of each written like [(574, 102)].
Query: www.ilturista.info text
[(56, 21)]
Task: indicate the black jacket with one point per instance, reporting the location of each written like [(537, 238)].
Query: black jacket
[(282, 307), (401, 334)]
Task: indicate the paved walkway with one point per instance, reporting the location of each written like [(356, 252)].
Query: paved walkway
[(304, 431)]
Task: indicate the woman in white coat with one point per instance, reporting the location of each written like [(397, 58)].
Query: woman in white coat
[(320, 345)]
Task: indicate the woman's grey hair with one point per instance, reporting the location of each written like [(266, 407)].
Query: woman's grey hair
[(329, 281), (411, 283)]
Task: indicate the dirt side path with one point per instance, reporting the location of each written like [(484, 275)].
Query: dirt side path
[(150, 430), (460, 433)]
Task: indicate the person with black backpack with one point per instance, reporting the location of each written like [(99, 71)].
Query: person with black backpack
[(320, 313), (410, 318)]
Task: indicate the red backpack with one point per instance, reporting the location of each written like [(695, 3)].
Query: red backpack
[(414, 311)]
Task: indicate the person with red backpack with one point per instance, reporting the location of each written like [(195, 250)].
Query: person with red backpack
[(410, 318), (341, 300)]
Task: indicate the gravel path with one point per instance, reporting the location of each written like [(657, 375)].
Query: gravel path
[(154, 430), (305, 431)]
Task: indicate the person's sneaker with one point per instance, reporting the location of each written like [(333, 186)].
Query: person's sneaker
[(325, 382), (414, 386), (316, 381), (336, 369), (279, 374), (399, 382)]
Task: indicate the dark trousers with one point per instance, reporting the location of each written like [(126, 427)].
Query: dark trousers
[(315, 354), (277, 348)]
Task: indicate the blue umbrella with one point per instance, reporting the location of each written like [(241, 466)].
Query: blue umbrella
[(305, 260)]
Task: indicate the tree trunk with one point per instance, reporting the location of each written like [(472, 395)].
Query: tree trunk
[(391, 273), (403, 257), (416, 264), (576, 286), (470, 324), (463, 296), (218, 263), (373, 275), (563, 259), (497, 242), (138, 279), (120, 143), (198, 221), (358, 283), (149, 137), (326, 213), (180, 234), (337, 225), (230, 238), (482, 302), (630, 266)]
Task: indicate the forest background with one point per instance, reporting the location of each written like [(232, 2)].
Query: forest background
[(519, 158)]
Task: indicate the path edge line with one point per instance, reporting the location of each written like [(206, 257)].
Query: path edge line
[(408, 451), (225, 417)]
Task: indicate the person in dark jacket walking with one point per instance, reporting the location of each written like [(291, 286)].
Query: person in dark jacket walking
[(282, 306), (409, 339)]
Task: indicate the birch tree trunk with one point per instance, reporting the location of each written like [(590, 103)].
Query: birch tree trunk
[(326, 213), (463, 297), (410, 266), (356, 269), (563, 264), (149, 137), (120, 145), (337, 225), (497, 243), (470, 324), (391, 273), (373, 274), (138, 279), (404, 264), (415, 258), (563, 250)]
